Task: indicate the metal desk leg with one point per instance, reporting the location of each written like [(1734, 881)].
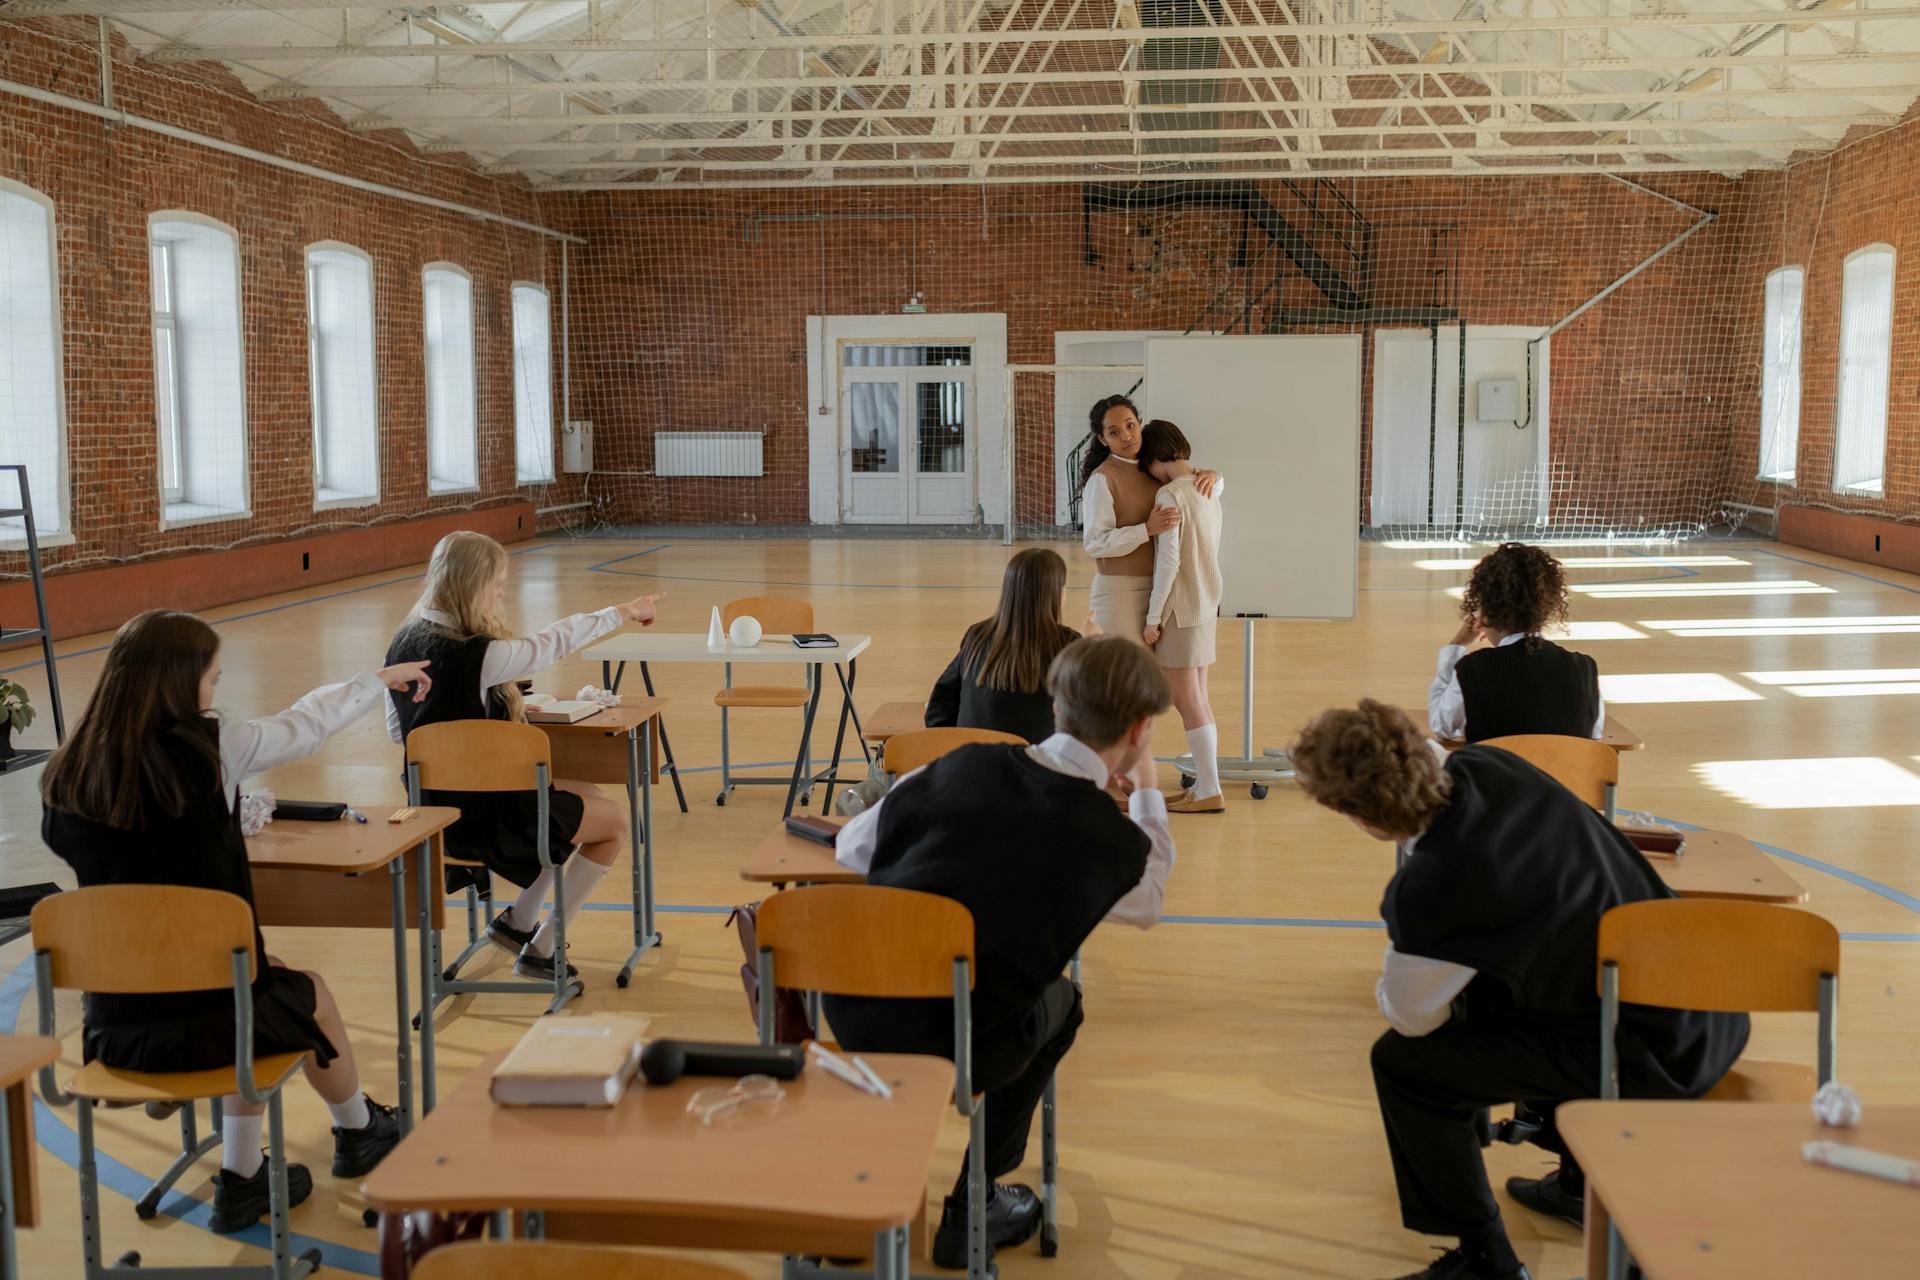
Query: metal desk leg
[(666, 748), (846, 679), (640, 831), (9, 1260), (429, 975), (403, 1055), (806, 744)]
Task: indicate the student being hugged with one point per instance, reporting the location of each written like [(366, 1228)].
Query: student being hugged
[(1184, 606), (1521, 683), (145, 791), (998, 680), (456, 625)]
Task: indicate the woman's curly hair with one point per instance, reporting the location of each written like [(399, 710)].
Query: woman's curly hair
[(1370, 763), (1517, 589)]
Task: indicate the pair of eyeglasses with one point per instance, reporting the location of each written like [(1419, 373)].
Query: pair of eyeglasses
[(750, 1094)]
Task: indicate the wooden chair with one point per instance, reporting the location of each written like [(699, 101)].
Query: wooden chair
[(1585, 766), (867, 940), (486, 755), (777, 615), (540, 1260), (909, 751), (138, 939)]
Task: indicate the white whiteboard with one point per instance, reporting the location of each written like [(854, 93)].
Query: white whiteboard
[(1280, 418)]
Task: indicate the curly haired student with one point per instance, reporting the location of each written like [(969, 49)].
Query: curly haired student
[(1520, 683)]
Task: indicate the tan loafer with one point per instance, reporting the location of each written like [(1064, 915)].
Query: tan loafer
[(1187, 803)]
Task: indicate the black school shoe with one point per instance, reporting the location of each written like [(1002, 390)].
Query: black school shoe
[(1453, 1265), (502, 934), (531, 964), (357, 1151), (1544, 1195), (240, 1202), (1013, 1218)]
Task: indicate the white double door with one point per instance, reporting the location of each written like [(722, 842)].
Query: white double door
[(907, 437)]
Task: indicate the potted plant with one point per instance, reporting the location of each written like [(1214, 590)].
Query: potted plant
[(16, 713)]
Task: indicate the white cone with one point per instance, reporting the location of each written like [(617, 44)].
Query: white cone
[(716, 634)]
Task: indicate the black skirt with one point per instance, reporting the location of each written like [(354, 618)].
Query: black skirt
[(500, 828), (193, 1031)]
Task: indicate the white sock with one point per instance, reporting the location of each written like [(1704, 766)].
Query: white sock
[(526, 908), (582, 874), (351, 1114), (1204, 742), (240, 1144)]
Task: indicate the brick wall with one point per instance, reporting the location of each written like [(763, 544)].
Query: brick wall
[(104, 182)]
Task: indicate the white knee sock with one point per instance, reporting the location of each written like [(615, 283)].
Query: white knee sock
[(351, 1114), (1204, 742), (582, 874), (525, 911), (240, 1144)]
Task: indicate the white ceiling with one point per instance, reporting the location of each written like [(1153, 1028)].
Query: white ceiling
[(580, 94)]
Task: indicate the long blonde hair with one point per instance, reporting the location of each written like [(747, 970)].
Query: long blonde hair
[(459, 578)]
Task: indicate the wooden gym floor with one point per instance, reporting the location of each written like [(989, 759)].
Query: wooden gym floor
[(1217, 1115)]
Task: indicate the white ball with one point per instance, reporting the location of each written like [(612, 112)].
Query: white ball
[(745, 632)]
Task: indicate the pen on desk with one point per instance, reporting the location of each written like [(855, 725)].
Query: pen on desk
[(834, 1065), (354, 813), (879, 1085)]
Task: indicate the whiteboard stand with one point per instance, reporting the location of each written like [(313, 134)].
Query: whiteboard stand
[(1271, 765)]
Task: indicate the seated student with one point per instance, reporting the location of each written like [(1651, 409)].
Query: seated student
[(1488, 986), (1522, 683), (998, 680), (1039, 866), (145, 791), (456, 625)]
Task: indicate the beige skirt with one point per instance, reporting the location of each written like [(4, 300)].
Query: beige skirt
[(1118, 603), (1186, 646)]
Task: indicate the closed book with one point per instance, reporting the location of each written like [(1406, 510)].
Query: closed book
[(571, 1062), (544, 709)]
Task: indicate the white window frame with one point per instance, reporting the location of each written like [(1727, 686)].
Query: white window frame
[(1780, 378), (1861, 485), (317, 384), (435, 487), (172, 426), (61, 534), (177, 509), (545, 388)]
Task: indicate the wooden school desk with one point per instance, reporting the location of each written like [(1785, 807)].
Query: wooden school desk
[(1719, 864), (647, 647), (891, 719), (1613, 733), (615, 744), (20, 1057), (830, 1171), (320, 874), (783, 859), (1718, 1191)]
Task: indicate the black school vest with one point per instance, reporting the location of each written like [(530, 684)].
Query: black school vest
[(455, 695), (1530, 686)]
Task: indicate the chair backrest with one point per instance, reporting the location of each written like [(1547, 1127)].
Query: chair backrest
[(908, 751), (138, 938), (543, 1260), (1719, 955), (866, 940), (777, 615), (478, 755), (1583, 766)]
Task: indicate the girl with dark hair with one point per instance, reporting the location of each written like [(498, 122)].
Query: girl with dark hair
[(1117, 516), (998, 680), (1520, 683), (145, 791)]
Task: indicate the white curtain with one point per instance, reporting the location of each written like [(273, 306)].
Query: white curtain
[(31, 405), (1780, 384), (1866, 340)]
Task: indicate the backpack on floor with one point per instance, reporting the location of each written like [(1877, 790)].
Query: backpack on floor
[(790, 1022)]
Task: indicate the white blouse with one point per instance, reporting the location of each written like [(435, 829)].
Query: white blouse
[(508, 660), (253, 746)]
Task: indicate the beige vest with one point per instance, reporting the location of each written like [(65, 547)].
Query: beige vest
[(1133, 492), (1197, 584)]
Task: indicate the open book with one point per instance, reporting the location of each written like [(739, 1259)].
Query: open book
[(544, 708), (571, 1062)]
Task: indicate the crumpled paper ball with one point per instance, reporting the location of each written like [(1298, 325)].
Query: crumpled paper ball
[(1837, 1106), (595, 694), (256, 811)]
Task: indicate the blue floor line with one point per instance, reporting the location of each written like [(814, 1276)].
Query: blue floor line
[(1847, 573), (602, 566)]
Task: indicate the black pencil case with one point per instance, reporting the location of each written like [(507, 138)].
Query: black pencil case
[(307, 811)]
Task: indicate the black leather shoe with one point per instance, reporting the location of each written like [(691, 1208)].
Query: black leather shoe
[(1543, 1195), (357, 1151), (1453, 1265), (502, 934), (533, 965), (240, 1202), (1013, 1218)]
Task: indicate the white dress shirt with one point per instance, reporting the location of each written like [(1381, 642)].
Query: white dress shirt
[(1447, 704), (252, 746), (1416, 992), (854, 847), (508, 660)]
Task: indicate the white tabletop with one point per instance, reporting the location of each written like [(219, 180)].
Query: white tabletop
[(691, 646)]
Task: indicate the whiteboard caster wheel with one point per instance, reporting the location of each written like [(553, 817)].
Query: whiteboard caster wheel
[(312, 1258), (1259, 791), (721, 799), (129, 1259), (804, 797), (369, 1217)]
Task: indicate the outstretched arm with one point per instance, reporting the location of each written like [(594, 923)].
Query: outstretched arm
[(250, 746), (509, 660)]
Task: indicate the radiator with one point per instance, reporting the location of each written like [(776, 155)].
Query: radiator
[(708, 453)]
